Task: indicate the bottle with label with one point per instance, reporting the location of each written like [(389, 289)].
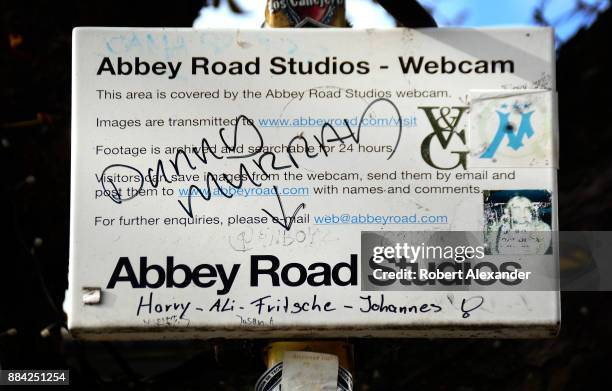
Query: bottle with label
[(305, 13)]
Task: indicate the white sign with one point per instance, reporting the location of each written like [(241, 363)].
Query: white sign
[(225, 183)]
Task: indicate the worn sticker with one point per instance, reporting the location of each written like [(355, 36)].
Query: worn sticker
[(511, 128), (308, 371)]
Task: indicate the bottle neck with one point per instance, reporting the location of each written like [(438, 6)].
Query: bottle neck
[(305, 13)]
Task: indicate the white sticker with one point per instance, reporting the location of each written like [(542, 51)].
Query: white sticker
[(308, 371), (511, 128)]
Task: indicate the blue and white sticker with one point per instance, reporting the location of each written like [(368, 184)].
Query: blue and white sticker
[(511, 128)]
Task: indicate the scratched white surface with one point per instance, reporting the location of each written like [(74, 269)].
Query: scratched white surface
[(94, 251)]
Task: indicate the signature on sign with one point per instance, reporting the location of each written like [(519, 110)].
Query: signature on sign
[(249, 238), (257, 159)]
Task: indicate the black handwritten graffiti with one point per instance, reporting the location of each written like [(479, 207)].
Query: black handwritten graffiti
[(467, 308), (286, 223), (263, 161), (114, 193)]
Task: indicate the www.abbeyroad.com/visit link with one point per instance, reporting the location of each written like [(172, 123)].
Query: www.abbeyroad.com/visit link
[(366, 218)]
